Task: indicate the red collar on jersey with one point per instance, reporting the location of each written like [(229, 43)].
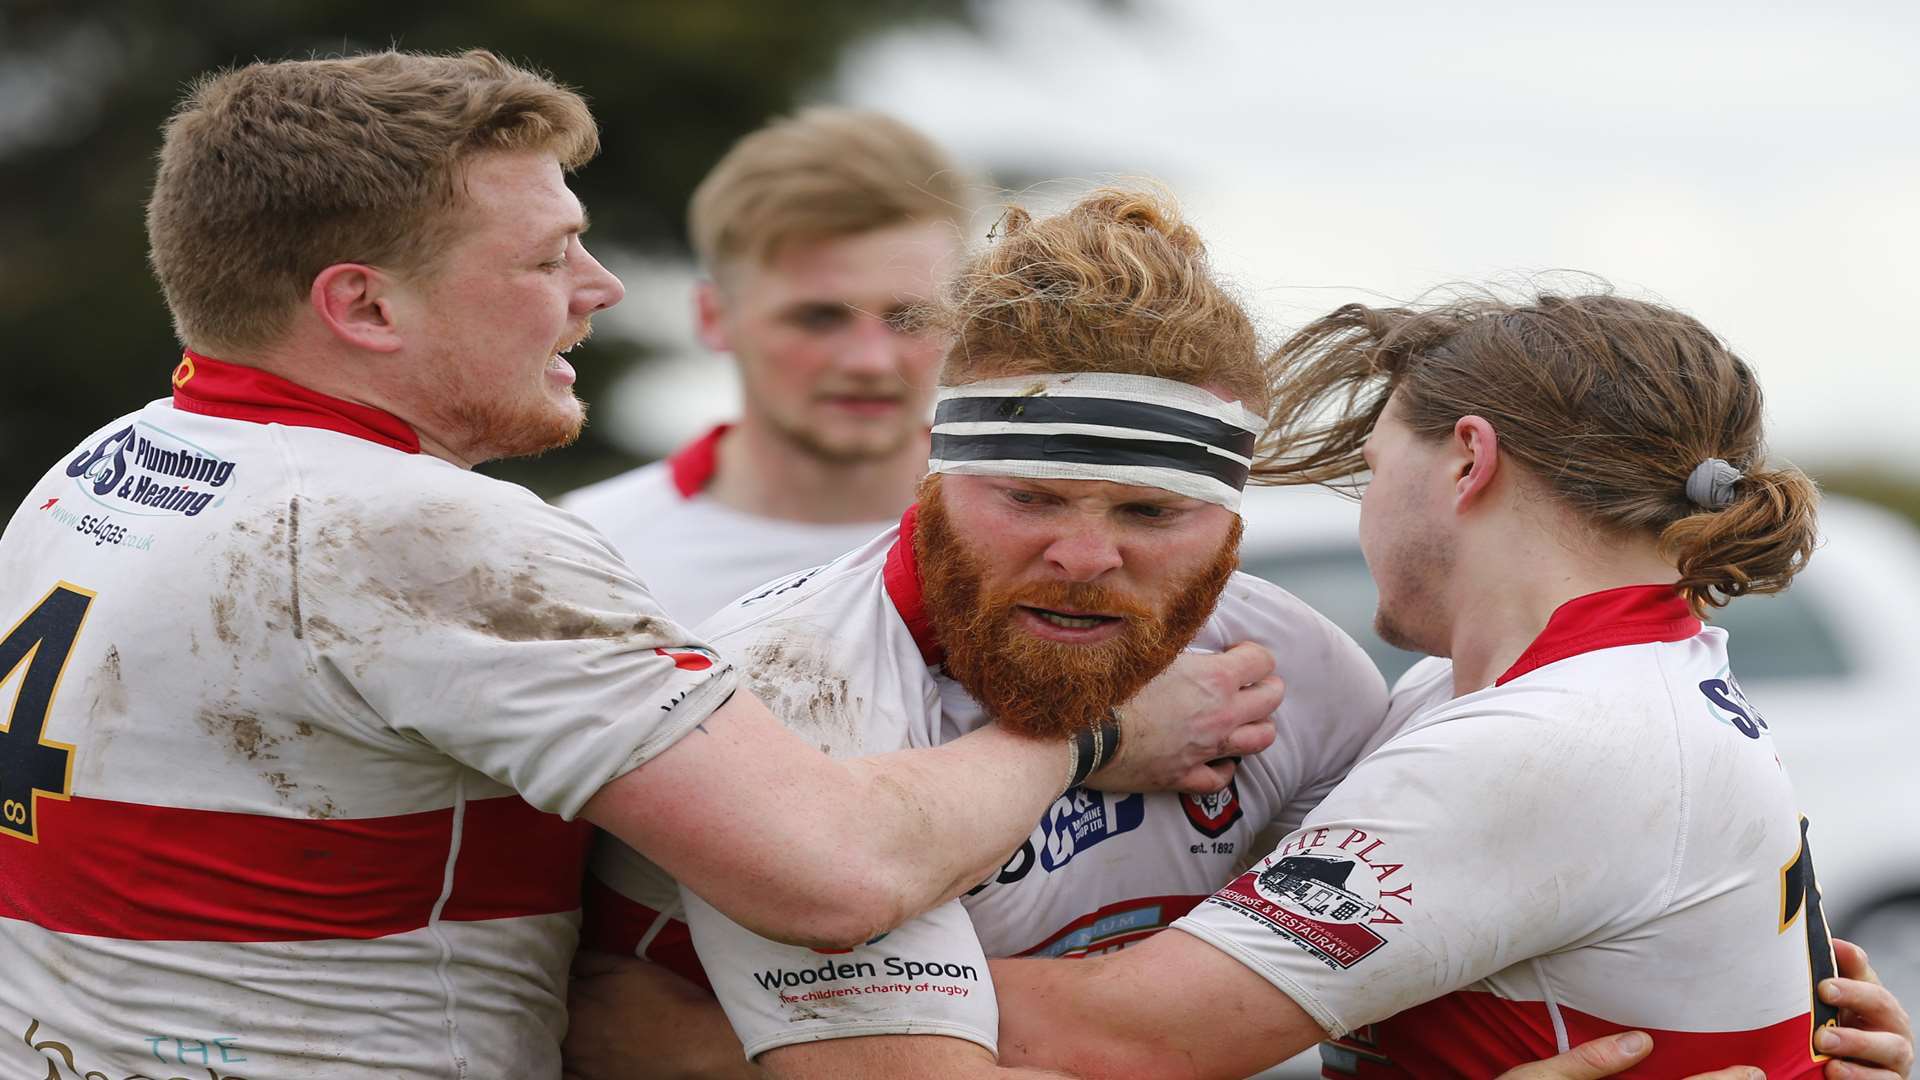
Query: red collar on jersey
[(693, 465), (902, 579), (1629, 615), (212, 387)]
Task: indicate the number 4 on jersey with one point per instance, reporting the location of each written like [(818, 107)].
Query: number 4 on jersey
[(36, 652), (1800, 898)]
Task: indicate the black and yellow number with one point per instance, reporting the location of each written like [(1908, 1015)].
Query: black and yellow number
[(1800, 895), (36, 650)]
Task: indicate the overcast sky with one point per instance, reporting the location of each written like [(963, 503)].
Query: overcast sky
[(1760, 169)]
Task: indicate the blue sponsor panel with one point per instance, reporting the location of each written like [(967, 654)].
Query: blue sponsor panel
[(1082, 818), (147, 471)]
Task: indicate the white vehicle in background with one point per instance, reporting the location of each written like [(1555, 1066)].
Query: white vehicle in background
[(1829, 664)]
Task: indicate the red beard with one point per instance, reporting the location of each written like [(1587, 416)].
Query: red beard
[(1040, 688)]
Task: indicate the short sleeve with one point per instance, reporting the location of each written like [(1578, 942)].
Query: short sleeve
[(1458, 849), (927, 977), (505, 634)]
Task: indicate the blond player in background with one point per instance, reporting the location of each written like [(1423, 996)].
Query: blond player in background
[(814, 234)]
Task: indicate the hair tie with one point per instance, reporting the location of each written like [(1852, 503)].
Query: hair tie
[(1710, 485)]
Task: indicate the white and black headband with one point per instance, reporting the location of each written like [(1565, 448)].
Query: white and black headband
[(1128, 429)]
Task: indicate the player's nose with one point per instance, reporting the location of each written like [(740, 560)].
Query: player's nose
[(598, 288), (871, 348), (1083, 551)]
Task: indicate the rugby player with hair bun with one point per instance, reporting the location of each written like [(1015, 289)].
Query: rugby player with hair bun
[(1577, 824), (1103, 399)]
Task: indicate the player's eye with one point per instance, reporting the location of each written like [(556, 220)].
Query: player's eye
[(819, 318)]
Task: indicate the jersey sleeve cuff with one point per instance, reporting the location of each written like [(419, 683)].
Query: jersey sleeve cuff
[(820, 1030), (1281, 981), (686, 714), (699, 702)]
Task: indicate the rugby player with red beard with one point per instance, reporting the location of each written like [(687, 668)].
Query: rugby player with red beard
[(1078, 532)]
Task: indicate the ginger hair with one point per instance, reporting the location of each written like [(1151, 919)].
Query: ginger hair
[(1118, 283)]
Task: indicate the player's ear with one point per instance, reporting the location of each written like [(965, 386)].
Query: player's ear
[(709, 316), (1474, 457), (360, 305)]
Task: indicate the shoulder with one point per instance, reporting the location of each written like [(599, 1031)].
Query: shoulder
[(1335, 697), (440, 501), (829, 655), (1256, 609), (849, 587), (1573, 744), (1322, 665), (431, 535)]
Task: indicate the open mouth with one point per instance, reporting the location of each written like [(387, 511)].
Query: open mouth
[(1067, 620)]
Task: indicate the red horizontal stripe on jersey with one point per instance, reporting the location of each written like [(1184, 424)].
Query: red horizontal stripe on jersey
[(516, 860), (612, 923), (160, 873), (1473, 1033)]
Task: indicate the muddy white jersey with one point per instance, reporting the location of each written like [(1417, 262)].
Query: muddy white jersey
[(697, 553), (844, 655), (1602, 840), (296, 721)]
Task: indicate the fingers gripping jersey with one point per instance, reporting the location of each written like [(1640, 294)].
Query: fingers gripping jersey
[(831, 652), (294, 720), (1601, 841)]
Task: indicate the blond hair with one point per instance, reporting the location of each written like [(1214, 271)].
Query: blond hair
[(1610, 403), (272, 172), (1118, 282), (823, 173)]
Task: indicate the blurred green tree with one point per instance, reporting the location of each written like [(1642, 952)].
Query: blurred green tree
[(85, 86), (1895, 488)]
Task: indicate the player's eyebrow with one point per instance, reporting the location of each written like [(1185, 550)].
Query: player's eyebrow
[(586, 222)]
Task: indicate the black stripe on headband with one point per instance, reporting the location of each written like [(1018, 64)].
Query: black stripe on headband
[(1108, 412), (1091, 450)]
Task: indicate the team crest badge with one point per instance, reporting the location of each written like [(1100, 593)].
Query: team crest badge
[(1213, 814)]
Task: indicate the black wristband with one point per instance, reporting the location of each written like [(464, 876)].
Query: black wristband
[(1093, 747)]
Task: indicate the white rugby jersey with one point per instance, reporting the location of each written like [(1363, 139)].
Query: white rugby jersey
[(1602, 840), (296, 719), (697, 553), (845, 656)]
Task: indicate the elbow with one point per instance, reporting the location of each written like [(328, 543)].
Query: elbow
[(841, 910)]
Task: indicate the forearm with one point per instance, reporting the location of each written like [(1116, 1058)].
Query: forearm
[(936, 822), (811, 850), (802, 848), (691, 1041), (1056, 1014), (632, 1020), (1171, 1006)]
